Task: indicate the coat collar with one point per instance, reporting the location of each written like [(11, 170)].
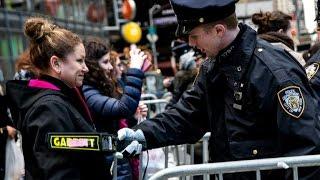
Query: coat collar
[(235, 59), (241, 49)]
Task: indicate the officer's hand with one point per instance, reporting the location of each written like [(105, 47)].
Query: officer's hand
[(135, 140)]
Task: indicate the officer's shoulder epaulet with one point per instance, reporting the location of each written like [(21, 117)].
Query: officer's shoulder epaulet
[(314, 58), (266, 53)]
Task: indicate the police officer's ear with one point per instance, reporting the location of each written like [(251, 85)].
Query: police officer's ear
[(220, 30)]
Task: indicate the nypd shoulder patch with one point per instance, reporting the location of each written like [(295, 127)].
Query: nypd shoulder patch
[(312, 69), (292, 101)]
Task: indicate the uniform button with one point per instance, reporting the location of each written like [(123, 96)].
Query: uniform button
[(255, 152), (260, 50), (239, 68)]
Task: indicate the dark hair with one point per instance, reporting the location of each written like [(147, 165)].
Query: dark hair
[(95, 50), (271, 21), (46, 40)]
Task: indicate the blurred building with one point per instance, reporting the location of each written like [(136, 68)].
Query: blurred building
[(245, 9), (84, 17), (296, 9), (103, 18), (284, 6)]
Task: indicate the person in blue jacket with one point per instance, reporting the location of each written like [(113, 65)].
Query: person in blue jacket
[(109, 103)]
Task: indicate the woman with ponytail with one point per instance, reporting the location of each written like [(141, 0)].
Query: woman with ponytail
[(52, 103), (275, 27)]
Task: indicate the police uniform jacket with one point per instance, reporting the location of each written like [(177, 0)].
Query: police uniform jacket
[(253, 98), (51, 106), (313, 74)]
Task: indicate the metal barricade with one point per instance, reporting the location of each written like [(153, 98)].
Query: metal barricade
[(159, 103), (205, 153), (160, 107), (148, 97), (241, 166), (205, 147)]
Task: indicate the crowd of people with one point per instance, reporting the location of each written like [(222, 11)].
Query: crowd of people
[(257, 96)]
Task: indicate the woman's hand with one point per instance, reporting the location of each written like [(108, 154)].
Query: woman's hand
[(142, 112), (167, 82), (137, 58)]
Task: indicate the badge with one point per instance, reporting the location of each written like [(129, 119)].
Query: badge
[(312, 69), (291, 100)]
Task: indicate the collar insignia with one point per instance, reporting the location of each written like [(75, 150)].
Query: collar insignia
[(311, 70), (227, 52), (292, 101)]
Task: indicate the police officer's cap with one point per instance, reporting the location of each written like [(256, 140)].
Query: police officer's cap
[(191, 13)]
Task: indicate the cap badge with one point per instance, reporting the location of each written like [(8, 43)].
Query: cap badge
[(312, 69), (292, 101), (183, 29), (201, 20)]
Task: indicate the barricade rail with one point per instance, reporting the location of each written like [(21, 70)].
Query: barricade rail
[(148, 96), (151, 99), (155, 101), (159, 103), (240, 166)]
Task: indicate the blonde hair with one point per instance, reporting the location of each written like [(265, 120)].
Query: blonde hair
[(46, 40)]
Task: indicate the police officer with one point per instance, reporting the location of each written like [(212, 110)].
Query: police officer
[(254, 98), (313, 64), (313, 74)]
